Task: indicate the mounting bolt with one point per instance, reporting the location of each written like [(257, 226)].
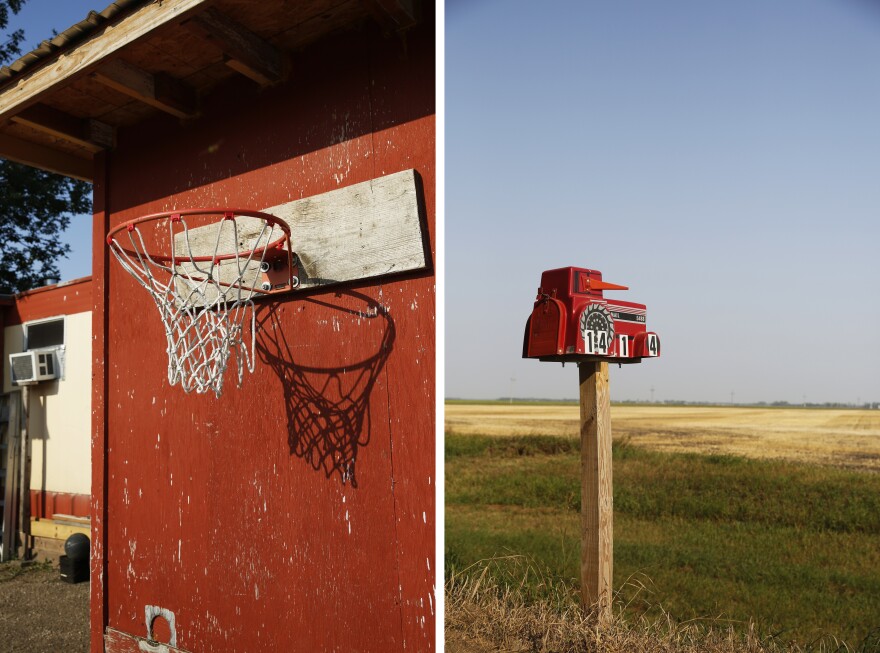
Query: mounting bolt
[(294, 260), (266, 286), (265, 266), (294, 282)]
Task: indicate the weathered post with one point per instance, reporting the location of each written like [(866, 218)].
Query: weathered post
[(571, 321), (597, 503), (24, 475)]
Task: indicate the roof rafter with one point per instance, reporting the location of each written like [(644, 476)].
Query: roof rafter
[(47, 158), (158, 90), (244, 51), (396, 15), (88, 133)]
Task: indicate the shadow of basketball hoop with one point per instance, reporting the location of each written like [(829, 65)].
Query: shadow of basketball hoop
[(327, 386)]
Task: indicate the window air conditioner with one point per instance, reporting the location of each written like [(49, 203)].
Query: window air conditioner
[(32, 367)]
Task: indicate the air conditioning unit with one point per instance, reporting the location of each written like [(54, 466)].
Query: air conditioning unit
[(32, 367)]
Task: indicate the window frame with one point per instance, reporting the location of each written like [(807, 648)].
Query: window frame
[(58, 349)]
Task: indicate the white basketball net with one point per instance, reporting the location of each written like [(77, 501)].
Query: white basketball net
[(206, 306)]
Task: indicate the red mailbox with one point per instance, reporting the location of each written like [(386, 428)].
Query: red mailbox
[(572, 321)]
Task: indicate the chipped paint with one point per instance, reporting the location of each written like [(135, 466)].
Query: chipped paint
[(303, 490)]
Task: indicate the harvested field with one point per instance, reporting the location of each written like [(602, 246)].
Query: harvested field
[(841, 438)]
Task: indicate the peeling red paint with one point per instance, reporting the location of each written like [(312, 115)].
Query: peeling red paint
[(297, 511)]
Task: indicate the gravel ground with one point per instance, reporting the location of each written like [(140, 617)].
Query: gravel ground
[(39, 613)]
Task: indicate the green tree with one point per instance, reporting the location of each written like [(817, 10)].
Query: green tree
[(35, 206), (10, 48)]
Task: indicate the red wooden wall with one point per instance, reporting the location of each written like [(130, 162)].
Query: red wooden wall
[(66, 298), (296, 513)]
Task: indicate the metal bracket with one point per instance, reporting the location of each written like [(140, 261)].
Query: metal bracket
[(150, 614)]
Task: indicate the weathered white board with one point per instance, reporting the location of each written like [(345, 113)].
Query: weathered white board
[(359, 232)]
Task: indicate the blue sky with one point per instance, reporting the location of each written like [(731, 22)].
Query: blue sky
[(721, 159)]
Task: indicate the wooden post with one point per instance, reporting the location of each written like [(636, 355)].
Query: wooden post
[(98, 610), (24, 479), (13, 434), (596, 489)]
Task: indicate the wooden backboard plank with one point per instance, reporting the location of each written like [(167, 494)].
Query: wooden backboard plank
[(362, 231)]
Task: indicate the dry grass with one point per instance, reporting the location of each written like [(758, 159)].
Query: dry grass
[(842, 438), (482, 615)]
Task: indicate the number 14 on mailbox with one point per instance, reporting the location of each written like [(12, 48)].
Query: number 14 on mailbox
[(573, 322)]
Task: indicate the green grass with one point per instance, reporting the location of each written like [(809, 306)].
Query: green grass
[(795, 547)]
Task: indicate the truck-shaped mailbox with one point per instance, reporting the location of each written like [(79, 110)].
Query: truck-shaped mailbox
[(573, 322)]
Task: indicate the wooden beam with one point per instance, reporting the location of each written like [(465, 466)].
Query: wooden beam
[(45, 158), (597, 504), (98, 606), (244, 51), (55, 530), (68, 66), (10, 488), (90, 134), (24, 475), (396, 15), (116, 641), (158, 90)]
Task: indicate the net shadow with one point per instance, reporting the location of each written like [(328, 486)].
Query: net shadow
[(328, 401)]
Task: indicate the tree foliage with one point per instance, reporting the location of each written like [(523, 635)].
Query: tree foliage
[(10, 46), (35, 209), (35, 205)]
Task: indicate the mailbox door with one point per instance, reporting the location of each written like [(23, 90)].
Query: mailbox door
[(545, 330)]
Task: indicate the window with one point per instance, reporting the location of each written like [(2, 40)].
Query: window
[(44, 334)]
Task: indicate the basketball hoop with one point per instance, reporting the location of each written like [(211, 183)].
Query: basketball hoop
[(204, 280)]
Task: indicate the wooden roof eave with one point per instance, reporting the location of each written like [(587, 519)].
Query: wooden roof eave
[(54, 73), (43, 122)]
